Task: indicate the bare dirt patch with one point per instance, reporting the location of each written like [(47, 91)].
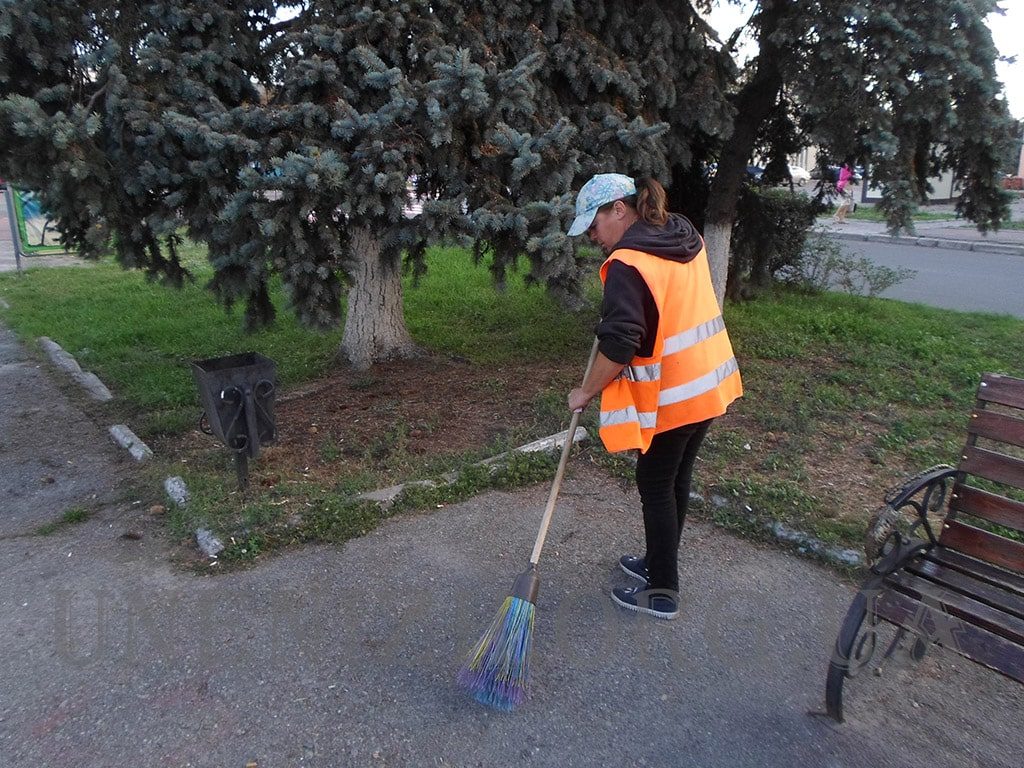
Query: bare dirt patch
[(397, 416)]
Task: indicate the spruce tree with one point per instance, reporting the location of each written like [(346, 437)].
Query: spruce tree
[(908, 87), (287, 145)]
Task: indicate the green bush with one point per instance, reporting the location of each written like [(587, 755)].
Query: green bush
[(823, 264), (771, 227)]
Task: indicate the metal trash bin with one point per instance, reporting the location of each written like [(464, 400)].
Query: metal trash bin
[(237, 394)]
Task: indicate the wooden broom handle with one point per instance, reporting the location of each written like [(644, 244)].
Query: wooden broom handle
[(549, 510)]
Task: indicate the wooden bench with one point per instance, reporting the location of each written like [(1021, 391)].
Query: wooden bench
[(963, 588)]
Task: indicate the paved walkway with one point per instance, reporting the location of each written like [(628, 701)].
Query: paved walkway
[(344, 656), (957, 234), (53, 457)]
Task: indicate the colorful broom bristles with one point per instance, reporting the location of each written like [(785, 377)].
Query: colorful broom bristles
[(497, 669)]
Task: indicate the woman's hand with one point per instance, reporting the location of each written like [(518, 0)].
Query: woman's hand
[(601, 375), (578, 399)]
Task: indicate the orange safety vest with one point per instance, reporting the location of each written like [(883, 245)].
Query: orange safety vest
[(691, 375)]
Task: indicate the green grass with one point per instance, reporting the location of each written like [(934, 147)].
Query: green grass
[(890, 384), (825, 372), (264, 519), (874, 213), (70, 517), (140, 336), (456, 310)]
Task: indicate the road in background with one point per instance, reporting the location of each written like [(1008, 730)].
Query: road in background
[(967, 281)]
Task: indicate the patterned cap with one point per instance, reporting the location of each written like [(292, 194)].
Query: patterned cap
[(601, 189)]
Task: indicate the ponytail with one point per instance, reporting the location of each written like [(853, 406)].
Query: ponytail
[(651, 203)]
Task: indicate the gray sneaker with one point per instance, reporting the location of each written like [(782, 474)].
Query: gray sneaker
[(661, 603), (634, 566)]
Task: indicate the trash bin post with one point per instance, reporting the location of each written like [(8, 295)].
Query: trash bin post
[(237, 394)]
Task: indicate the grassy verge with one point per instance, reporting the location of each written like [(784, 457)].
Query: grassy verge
[(844, 394), (139, 336), (263, 519), (873, 213)]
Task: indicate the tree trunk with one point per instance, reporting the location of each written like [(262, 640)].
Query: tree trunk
[(374, 323), (717, 236), (753, 105)]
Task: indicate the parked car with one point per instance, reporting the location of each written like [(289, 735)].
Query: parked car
[(799, 175), (832, 173), (754, 173)]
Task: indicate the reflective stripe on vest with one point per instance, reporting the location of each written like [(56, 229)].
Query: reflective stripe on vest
[(625, 415), (699, 386), (693, 336), (691, 375)]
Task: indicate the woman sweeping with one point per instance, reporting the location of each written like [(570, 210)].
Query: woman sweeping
[(664, 369)]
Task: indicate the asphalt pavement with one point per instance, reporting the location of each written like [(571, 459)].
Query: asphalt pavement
[(111, 655)]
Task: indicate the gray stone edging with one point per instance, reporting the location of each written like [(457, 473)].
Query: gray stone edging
[(387, 496), (177, 491), (95, 388), (804, 541), (931, 242), (127, 439)]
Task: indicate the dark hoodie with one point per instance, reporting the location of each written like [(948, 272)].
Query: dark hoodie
[(629, 316)]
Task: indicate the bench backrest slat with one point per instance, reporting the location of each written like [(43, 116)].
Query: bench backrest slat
[(1004, 390), (990, 547), (989, 506), (990, 465), (989, 491), (998, 427)]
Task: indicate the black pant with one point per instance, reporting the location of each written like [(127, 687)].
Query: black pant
[(663, 477)]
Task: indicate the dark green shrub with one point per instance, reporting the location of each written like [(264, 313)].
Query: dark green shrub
[(771, 227)]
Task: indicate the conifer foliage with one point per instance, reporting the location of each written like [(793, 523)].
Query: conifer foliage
[(908, 88), (287, 143)]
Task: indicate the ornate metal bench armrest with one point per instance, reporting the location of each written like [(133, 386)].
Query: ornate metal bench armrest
[(890, 529), (932, 480)]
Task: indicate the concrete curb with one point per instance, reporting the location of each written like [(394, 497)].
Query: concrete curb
[(177, 490), (386, 497), (130, 441), (929, 242), (95, 388)]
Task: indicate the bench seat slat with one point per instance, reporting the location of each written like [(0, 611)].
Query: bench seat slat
[(990, 506), (977, 569), (975, 643), (1005, 390), (997, 426), (965, 608), (1006, 553), (949, 578), (992, 466)]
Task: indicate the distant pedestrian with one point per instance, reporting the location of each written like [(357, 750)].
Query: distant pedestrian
[(665, 367), (845, 190)]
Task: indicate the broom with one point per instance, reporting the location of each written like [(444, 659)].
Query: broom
[(498, 667)]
